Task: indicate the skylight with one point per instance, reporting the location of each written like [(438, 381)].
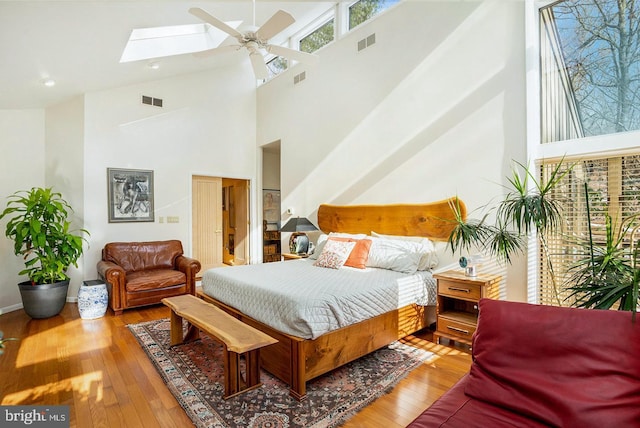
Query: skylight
[(146, 43)]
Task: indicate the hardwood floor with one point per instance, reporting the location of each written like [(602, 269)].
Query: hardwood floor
[(99, 370)]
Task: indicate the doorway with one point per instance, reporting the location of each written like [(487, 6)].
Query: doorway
[(220, 208)]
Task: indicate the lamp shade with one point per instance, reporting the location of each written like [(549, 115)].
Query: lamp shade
[(298, 224)]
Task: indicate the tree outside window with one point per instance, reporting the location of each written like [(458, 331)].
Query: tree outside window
[(318, 38), (591, 72)]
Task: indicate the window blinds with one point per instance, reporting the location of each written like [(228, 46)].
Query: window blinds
[(613, 186)]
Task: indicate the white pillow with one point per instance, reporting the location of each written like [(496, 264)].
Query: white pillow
[(322, 239), (334, 254), (394, 254), (429, 258)]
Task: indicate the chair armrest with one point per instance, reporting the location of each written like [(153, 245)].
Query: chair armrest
[(187, 265), (116, 278), (190, 267)]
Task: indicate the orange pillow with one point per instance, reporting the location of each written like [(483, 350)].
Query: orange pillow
[(360, 253)]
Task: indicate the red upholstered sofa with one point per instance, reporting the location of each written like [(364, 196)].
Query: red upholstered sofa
[(143, 273), (541, 366)]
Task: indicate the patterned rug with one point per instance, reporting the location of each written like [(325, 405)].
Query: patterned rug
[(193, 372)]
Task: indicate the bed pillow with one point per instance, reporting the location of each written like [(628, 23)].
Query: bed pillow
[(429, 259), (394, 254), (360, 253), (334, 254), (322, 239)]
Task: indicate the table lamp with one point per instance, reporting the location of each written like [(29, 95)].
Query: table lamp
[(299, 241)]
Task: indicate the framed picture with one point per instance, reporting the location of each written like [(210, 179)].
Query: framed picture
[(271, 208), (130, 195)]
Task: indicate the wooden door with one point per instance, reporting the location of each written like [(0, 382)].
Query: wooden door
[(207, 221), (241, 190)]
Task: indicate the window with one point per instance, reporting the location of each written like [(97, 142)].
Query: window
[(590, 68), (318, 38), (364, 10), (613, 185), (276, 66)]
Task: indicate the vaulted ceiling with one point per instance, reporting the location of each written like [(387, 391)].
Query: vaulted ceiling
[(79, 43)]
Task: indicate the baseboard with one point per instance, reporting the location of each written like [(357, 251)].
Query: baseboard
[(18, 306)]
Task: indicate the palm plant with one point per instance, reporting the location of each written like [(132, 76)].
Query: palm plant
[(607, 275), (526, 208)]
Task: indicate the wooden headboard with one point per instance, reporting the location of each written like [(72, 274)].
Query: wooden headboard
[(434, 220)]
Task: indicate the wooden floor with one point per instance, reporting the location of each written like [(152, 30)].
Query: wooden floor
[(99, 370)]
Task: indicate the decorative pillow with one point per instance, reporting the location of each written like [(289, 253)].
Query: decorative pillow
[(429, 259), (393, 254), (334, 254), (322, 239), (360, 253)]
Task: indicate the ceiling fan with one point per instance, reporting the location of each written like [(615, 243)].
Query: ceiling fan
[(256, 40)]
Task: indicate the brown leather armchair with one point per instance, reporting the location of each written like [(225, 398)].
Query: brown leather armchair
[(143, 273)]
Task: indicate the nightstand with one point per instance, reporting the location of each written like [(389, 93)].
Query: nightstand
[(292, 256), (457, 303)]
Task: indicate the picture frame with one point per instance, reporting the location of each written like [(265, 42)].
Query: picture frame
[(271, 208), (130, 195)]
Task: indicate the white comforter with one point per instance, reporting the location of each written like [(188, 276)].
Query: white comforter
[(303, 300)]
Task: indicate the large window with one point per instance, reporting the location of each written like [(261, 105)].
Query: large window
[(613, 186), (590, 68)]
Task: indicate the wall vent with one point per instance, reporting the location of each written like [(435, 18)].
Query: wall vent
[(366, 42), (299, 77), (151, 101)]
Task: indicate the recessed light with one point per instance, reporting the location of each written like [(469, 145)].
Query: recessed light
[(49, 82), (154, 65)]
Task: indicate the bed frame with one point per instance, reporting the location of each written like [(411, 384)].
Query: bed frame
[(295, 360)]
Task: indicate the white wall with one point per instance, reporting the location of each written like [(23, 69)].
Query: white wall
[(22, 137), (64, 168), (207, 127), (433, 109)]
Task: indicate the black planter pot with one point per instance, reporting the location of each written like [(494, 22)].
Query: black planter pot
[(43, 300)]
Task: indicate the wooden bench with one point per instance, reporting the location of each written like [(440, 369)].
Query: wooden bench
[(237, 337)]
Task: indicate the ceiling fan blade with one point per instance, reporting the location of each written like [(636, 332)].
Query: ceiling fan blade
[(278, 22), (220, 25), (217, 51), (293, 54), (259, 67)]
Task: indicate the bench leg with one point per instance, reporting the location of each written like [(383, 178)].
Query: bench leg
[(176, 331), (234, 383)]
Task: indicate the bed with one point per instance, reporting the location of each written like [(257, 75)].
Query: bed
[(325, 335)]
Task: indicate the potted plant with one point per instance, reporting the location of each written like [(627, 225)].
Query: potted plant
[(524, 209), (39, 227), (604, 275), (607, 275)]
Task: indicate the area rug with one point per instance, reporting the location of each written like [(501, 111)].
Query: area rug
[(193, 372)]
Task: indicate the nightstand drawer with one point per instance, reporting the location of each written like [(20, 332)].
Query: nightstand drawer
[(451, 327), (459, 289)]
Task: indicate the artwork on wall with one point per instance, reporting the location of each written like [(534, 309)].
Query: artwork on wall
[(130, 195), (271, 208)]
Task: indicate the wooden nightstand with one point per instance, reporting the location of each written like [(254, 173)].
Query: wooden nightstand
[(457, 303), (292, 256)]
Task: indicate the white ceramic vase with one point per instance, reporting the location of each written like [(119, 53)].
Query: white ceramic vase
[(93, 299)]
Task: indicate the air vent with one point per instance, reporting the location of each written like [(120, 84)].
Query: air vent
[(151, 101), (366, 42), (299, 77)]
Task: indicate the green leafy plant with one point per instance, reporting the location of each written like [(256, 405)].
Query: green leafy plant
[(39, 227), (526, 208), (607, 275)]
